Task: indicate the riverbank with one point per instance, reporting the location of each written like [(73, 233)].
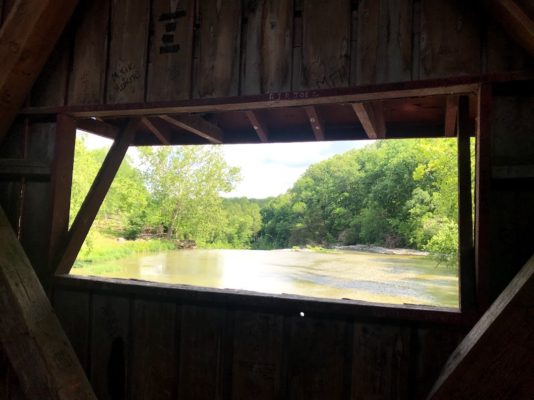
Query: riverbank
[(382, 250)]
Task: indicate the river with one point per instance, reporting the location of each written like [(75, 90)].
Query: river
[(394, 279)]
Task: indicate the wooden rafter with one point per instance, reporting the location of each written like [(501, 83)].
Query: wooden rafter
[(30, 332), (371, 116), (100, 128), (496, 358), (197, 125), (27, 38), (83, 221), (451, 115), (162, 137), (258, 125), (515, 21), (316, 122)]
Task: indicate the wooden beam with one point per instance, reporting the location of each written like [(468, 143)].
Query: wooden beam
[(197, 125), (100, 128), (32, 337), (496, 358), (61, 185), (89, 209), (422, 88), (316, 123), (27, 38), (515, 21), (451, 115), (482, 196), (258, 125), (152, 128), (466, 265), (14, 169), (371, 116)]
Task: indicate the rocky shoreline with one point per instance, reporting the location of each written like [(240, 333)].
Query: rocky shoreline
[(381, 250)]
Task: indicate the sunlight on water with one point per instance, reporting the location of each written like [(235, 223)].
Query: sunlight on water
[(394, 279)]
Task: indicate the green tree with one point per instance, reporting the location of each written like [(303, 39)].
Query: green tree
[(185, 183)]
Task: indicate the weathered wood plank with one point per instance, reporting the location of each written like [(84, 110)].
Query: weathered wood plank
[(73, 310), (384, 41), (197, 125), (110, 343), (316, 122), (451, 115), (128, 51), (171, 50), (162, 137), (92, 202), (482, 196), (257, 357), (35, 218), (326, 44), (97, 127), (432, 348), (61, 185), (30, 332), (269, 39), (314, 373), (14, 168), (50, 89), (27, 38), (218, 66), (202, 353), (515, 20), (88, 76), (450, 39), (371, 116), (154, 351), (466, 251), (496, 358), (381, 358), (4, 362), (502, 53), (258, 125)]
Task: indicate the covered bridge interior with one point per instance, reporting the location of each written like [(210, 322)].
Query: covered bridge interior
[(163, 72)]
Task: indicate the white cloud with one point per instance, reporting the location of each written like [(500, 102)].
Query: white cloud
[(266, 169)]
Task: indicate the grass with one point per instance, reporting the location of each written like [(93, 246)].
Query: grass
[(99, 247)]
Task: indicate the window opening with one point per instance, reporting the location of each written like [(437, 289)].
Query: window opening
[(362, 220)]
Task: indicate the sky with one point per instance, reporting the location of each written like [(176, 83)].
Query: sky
[(268, 169)]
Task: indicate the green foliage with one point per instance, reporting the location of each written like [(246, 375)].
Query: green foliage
[(390, 193)]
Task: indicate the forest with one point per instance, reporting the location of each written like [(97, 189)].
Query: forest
[(395, 193)]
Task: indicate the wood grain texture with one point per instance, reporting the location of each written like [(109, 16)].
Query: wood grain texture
[(220, 32), (432, 348), (326, 44), (27, 38), (88, 76), (450, 39), (110, 341), (202, 353), (314, 373), (380, 366), (73, 310), (61, 185), (153, 351), (30, 332), (37, 201), (128, 51), (171, 50), (496, 358), (50, 89), (384, 41), (269, 39), (257, 356)]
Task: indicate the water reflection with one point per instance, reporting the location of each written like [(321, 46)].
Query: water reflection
[(361, 276)]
